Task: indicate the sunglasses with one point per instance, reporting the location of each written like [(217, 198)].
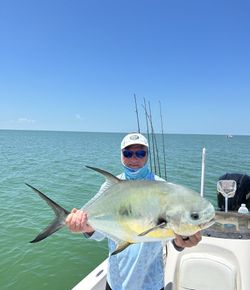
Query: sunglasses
[(139, 153)]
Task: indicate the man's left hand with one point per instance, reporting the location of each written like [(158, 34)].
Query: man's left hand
[(187, 242)]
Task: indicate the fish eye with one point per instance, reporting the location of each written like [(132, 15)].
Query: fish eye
[(194, 216)]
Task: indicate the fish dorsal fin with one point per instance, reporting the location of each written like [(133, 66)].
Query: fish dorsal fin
[(121, 247), (110, 178)]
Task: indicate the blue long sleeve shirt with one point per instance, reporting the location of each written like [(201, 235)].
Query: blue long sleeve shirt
[(139, 266)]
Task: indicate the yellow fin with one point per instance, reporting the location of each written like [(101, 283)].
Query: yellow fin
[(121, 247), (161, 225)]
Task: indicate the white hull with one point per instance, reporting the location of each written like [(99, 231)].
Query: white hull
[(96, 280)]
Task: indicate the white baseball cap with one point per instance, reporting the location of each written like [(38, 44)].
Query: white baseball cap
[(132, 139)]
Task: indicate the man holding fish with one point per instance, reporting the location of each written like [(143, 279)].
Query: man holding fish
[(135, 264)]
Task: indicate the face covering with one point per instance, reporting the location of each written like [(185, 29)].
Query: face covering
[(141, 173)]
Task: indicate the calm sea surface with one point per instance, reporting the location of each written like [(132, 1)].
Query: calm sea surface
[(54, 162)]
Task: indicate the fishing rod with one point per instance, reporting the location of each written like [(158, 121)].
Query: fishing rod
[(163, 145), (155, 149), (148, 136), (153, 139), (154, 160), (137, 116)]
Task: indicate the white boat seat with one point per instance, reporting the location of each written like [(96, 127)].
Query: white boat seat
[(199, 271)]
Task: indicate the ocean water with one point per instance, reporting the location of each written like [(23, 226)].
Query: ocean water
[(54, 162)]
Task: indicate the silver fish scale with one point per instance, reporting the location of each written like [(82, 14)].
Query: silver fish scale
[(143, 204)]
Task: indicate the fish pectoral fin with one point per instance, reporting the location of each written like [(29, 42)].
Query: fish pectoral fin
[(121, 247), (161, 225)]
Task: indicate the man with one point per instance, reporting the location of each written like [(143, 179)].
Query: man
[(140, 266)]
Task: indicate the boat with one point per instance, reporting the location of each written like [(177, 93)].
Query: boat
[(95, 280), (219, 262)]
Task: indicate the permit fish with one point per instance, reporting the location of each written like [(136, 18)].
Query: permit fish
[(138, 211)]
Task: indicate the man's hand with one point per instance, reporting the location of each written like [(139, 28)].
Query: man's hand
[(77, 222), (188, 242)]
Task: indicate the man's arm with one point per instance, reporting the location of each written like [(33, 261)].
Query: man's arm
[(180, 243)]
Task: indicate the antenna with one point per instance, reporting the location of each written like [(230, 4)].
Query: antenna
[(203, 171)]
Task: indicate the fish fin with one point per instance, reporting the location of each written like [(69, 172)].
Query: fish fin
[(54, 226), (110, 178), (161, 225), (121, 247), (57, 223), (106, 185)]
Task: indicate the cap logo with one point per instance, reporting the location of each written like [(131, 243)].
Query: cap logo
[(134, 137)]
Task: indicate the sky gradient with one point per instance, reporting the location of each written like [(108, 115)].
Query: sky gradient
[(76, 65)]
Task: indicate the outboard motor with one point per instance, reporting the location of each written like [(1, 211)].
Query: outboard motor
[(242, 194)]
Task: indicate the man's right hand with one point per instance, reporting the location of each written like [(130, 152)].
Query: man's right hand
[(77, 222)]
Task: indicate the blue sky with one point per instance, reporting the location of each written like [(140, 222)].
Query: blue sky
[(75, 65)]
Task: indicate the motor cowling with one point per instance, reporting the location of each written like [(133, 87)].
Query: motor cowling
[(242, 194)]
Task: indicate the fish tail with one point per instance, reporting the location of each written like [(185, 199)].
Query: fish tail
[(57, 223)]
